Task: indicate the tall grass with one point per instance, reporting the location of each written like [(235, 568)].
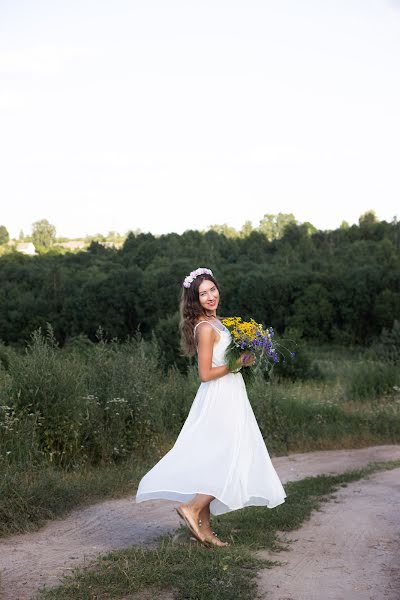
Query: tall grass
[(366, 380), (103, 406), (113, 402), (42, 395), (73, 410), (299, 417)]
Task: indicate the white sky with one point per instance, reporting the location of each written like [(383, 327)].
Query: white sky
[(167, 116)]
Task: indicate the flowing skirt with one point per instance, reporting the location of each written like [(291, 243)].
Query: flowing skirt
[(220, 452)]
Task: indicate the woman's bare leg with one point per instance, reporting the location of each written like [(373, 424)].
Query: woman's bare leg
[(199, 506), (193, 509), (205, 518)]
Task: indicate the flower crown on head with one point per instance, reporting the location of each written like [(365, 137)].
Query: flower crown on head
[(200, 271)]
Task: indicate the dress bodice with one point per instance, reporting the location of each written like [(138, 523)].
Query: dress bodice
[(221, 344)]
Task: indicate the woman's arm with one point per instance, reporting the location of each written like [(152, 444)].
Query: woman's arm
[(206, 336)]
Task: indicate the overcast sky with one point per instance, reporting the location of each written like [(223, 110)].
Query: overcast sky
[(167, 116)]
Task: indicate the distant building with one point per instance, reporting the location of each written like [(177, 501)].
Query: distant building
[(26, 248), (72, 245), (112, 244)]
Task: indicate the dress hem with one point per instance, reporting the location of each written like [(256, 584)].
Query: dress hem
[(220, 507)]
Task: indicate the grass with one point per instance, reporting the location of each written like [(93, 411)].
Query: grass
[(303, 416), (191, 572), (29, 498), (292, 417), (80, 425)]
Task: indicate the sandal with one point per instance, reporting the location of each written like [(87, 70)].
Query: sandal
[(191, 525), (213, 539)]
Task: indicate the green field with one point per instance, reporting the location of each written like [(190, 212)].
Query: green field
[(85, 423)]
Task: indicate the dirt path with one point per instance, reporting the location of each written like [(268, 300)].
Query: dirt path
[(30, 561), (348, 551)]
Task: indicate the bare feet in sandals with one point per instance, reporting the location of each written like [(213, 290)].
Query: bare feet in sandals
[(206, 529), (213, 539), (192, 521)]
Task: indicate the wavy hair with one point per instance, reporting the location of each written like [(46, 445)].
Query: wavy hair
[(190, 310)]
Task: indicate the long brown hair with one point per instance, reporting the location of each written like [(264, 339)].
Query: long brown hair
[(190, 310)]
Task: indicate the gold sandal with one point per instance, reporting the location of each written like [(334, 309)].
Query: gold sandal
[(191, 525), (213, 539)]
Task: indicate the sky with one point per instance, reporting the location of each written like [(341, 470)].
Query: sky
[(167, 116)]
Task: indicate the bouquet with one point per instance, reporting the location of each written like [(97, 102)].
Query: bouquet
[(256, 340)]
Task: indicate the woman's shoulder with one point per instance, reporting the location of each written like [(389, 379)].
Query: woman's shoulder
[(210, 321), (200, 321), (212, 325)]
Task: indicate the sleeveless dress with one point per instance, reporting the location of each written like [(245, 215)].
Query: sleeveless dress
[(219, 451)]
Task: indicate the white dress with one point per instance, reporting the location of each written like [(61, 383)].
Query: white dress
[(219, 451)]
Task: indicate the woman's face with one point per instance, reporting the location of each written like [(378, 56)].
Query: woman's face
[(208, 296)]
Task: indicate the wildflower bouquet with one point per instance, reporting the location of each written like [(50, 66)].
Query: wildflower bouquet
[(257, 340)]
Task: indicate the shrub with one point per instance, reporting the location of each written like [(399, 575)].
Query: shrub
[(368, 379), (387, 347), (47, 387), (124, 411), (302, 366)]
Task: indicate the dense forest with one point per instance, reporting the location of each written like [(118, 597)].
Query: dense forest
[(339, 286)]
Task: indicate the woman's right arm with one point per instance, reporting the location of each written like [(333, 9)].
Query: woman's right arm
[(205, 344), (206, 337)]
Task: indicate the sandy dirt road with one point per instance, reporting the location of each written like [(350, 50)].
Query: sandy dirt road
[(30, 561), (350, 550)]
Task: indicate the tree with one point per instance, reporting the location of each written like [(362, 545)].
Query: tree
[(341, 285), (367, 219), (4, 235), (309, 228), (224, 229), (246, 230), (395, 224), (369, 226), (273, 226), (43, 234), (313, 312)]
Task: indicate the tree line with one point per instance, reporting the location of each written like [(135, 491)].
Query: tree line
[(339, 286)]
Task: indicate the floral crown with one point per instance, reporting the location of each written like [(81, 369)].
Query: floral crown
[(200, 271)]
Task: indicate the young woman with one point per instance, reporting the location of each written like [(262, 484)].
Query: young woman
[(219, 461)]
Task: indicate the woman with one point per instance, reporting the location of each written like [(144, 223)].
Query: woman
[(219, 461)]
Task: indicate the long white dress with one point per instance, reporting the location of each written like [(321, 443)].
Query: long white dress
[(219, 451)]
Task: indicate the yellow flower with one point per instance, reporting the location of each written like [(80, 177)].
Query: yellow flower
[(243, 329)]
